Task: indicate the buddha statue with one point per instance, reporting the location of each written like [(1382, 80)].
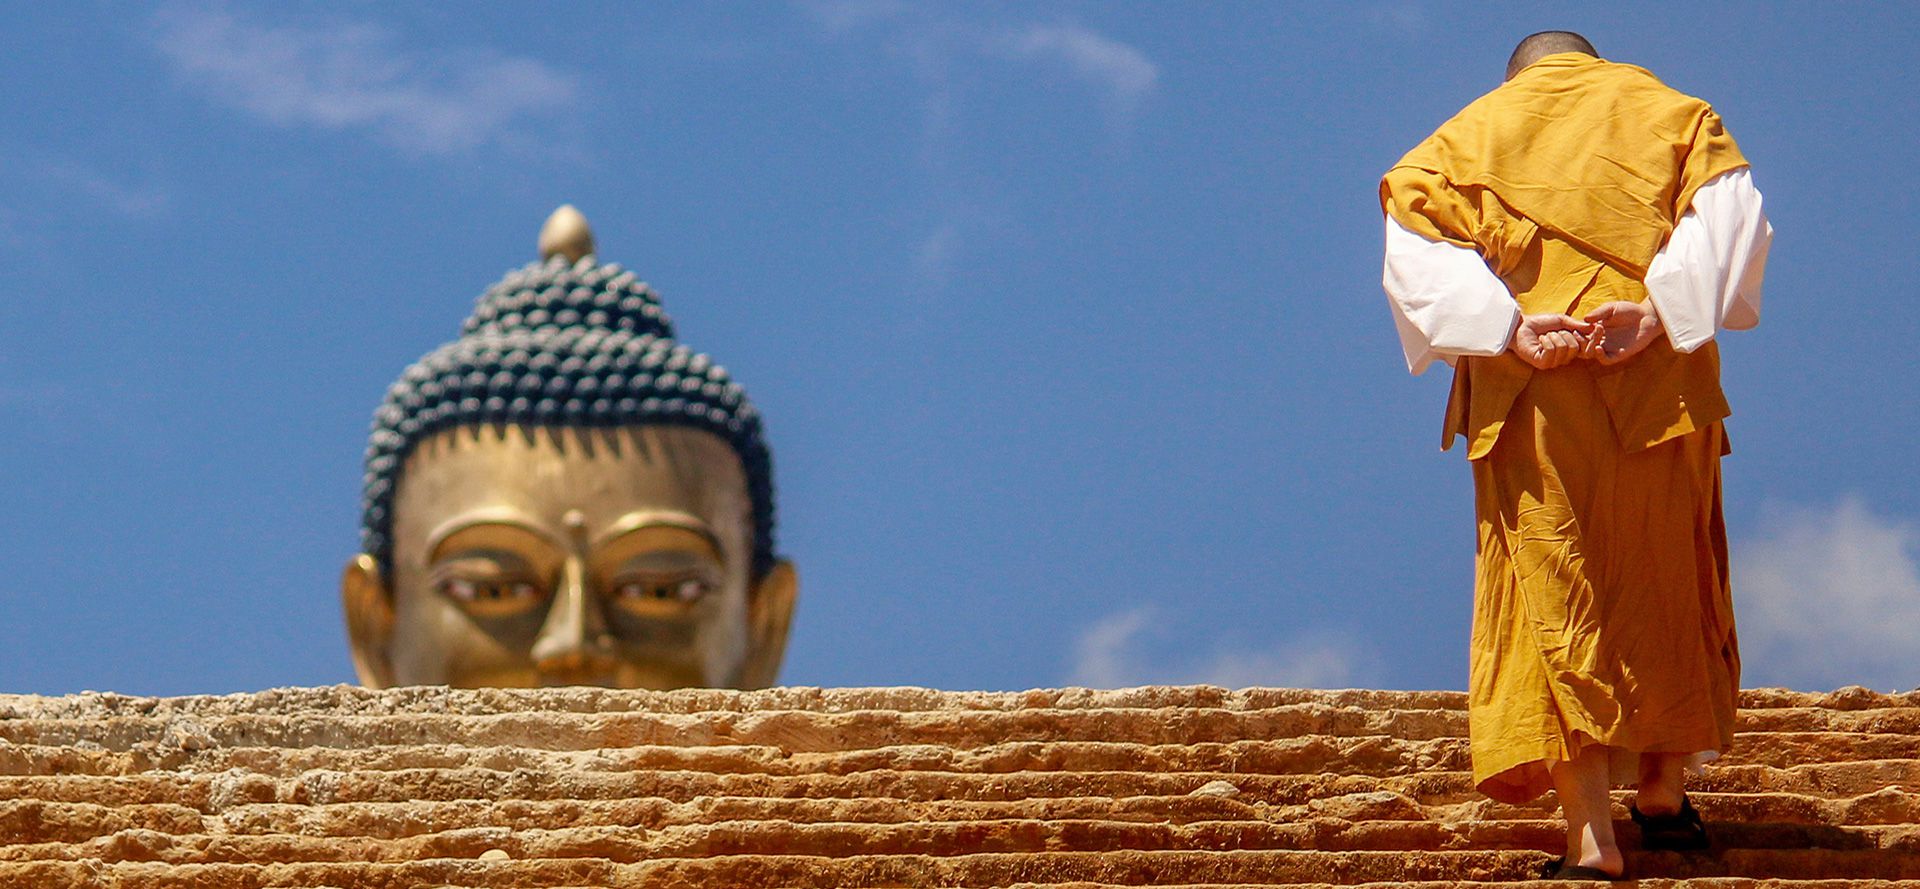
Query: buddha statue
[(566, 496)]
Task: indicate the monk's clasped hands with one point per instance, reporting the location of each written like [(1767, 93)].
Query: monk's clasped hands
[(1610, 334)]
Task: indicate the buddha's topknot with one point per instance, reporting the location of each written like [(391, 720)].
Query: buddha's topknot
[(554, 344)]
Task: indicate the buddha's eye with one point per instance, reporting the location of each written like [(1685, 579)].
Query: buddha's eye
[(466, 590), (643, 592), (459, 589), (490, 597)]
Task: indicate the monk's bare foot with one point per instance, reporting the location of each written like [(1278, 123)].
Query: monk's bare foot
[(1586, 850), (1581, 785)]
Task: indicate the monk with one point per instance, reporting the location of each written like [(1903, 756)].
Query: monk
[(1571, 243)]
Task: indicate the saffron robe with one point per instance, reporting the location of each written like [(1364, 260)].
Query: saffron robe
[(1602, 608), (1707, 278)]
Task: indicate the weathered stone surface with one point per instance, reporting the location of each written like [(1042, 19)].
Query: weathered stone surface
[(1167, 786)]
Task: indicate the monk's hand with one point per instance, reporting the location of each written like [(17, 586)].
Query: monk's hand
[(1625, 330), (1550, 341)]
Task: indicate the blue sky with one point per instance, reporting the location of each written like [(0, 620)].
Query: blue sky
[(1065, 317)]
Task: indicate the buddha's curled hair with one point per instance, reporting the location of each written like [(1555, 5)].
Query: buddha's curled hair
[(553, 344)]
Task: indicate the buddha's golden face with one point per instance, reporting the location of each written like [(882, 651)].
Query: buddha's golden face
[(570, 557)]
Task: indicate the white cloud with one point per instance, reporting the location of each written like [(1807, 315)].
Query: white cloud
[(934, 258), (12, 233), (1122, 73), (1101, 657), (134, 201), (1308, 661), (1829, 597), (45, 187), (1108, 655), (953, 62), (357, 76), (1406, 17), (14, 394), (838, 17)]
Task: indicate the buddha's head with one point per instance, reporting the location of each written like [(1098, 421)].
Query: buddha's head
[(565, 496)]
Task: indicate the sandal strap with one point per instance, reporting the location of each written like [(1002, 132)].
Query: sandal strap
[(1687, 818), (1559, 869), (1683, 830)]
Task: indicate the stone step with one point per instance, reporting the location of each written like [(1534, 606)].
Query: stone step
[(1891, 785), (981, 869), (1371, 755), (1262, 867), (1738, 793), (1831, 781), (1368, 755), (954, 837), (580, 875), (1154, 817), (350, 701), (158, 739), (1815, 719), (354, 701), (1364, 820), (1817, 779), (735, 838), (788, 730), (1653, 883), (884, 787), (1361, 757), (321, 787), (1783, 749)]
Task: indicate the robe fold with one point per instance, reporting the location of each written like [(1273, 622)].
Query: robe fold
[(1602, 609)]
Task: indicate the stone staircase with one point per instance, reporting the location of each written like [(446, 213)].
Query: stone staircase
[(867, 787)]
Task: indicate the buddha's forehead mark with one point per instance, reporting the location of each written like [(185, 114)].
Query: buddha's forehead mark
[(575, 522)]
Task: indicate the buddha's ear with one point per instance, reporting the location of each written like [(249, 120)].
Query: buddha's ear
[(769, 614), (369, 606)]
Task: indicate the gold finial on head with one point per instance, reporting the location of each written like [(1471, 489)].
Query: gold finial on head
[(566, 234)]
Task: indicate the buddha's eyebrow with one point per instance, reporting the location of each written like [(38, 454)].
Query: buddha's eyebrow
[(462, 523), (639, 521)]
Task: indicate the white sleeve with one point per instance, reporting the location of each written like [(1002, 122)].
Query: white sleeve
[(1707, 277), (1446, 302)]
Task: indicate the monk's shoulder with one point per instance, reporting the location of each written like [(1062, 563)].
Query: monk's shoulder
[(1431, 153), (1636, 78)]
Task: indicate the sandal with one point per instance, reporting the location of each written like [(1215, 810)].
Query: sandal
[(1559, 869), (1680, 832)]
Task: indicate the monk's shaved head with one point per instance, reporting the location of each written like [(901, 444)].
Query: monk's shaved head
[(1546, 43)]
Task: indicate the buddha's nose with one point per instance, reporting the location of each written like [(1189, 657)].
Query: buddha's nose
[(574, 645)]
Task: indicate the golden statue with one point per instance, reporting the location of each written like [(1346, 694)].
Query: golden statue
[(565, 496)]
